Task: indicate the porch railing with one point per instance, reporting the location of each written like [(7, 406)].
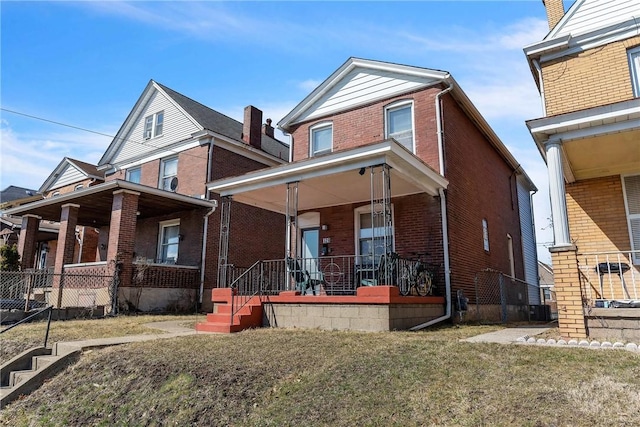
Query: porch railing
[(609, 278)]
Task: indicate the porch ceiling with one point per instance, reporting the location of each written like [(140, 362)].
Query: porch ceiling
[(96, 203), (333, 179)]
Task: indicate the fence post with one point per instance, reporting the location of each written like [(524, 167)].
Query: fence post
[(503, 298), (27, 297)]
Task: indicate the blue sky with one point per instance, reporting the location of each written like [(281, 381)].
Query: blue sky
[(86, 63)]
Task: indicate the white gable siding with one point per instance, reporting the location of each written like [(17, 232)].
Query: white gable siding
[(360, 87), (594, 14), (529, 250), (69, 175), (177, 127)]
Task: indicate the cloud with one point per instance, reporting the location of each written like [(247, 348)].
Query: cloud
[(309, 85)]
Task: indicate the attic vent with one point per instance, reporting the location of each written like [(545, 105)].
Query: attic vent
[(174, 183)]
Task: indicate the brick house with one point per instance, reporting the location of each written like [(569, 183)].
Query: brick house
[(388, 158), (154, 218), (587, 69)]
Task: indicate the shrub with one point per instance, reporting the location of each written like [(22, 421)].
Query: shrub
[(9, 258)]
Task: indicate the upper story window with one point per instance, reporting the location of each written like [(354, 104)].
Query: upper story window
[(168, 171), (634, 66), (153, 125), (485, 235), (133, 175), (321, 139), (78, 187), (399, 123), (55, 194)]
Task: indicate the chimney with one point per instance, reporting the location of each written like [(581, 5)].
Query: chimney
[(267, 129), (251, 128), (555, 11)]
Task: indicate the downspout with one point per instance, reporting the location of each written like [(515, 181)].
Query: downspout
[(536, 65), (206, 224), (80, 243), (443, 215)]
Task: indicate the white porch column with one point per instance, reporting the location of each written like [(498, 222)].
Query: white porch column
[(557, 194)]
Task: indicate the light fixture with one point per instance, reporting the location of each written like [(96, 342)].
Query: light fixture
[(361, 171), (324, 227)]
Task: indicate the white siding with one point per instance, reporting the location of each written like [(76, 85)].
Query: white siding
[(360, 87), (69, 175), (595, 14), (177, 127), (529, 253)]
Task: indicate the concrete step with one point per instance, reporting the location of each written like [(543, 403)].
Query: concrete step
[(40, 362)]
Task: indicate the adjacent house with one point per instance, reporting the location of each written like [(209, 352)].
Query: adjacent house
[(389, 161), (587, 69), (146, 200)]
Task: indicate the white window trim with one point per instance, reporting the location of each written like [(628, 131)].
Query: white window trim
[(635, 259), (398, 105), (154, 123), (485, 234), (161, 176), (312, 129), (367, 209), (129, 170), (78, 187), (161, 227), (634, 70)]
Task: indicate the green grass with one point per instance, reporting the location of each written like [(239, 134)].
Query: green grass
[(294, 377), (29, 335)]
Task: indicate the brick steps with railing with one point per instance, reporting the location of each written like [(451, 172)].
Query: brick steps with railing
[(249, 316)]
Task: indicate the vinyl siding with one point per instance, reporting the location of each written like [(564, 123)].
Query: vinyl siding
[(70, 175), (360, 88), (529, 254), (177, 127), (595, 14)]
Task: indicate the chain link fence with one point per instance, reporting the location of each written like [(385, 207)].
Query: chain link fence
[(502, 298)]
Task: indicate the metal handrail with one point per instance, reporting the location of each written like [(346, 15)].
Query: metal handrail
[(234, 285), (46, 336)]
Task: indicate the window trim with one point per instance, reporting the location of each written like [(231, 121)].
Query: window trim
[(317, 127), (162, 176), (127, 175), (150, 125), (397, 105), (156, 125), (162, 225), (78, 187), (356, 227), (634, 69), (635, 258)]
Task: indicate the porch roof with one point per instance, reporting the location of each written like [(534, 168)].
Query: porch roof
[(332, 179), (96, 202)]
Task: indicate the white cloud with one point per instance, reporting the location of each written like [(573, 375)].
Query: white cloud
[(309, 85)]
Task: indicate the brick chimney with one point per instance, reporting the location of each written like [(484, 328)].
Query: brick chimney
[(267, 129), (555, 11), (251, 128)]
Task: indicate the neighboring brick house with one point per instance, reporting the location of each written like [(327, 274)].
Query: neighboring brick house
[(588, 72), (153, 214), (396, 158)]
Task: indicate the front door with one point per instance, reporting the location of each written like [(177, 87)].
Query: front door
[(311, 250)]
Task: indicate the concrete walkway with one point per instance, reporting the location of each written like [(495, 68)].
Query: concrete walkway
[(507, 335)]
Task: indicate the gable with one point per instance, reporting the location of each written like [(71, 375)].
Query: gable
[(130, 143), (358, 82), (586, 16)]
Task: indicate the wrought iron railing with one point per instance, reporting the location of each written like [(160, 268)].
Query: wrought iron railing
[(610, 278)]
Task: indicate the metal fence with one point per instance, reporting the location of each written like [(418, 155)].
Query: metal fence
[(71, 295), (502, 298), (610, 278)]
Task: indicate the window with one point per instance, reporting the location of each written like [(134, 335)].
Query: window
[(153, 125), (78, 187), (634, 66), (631, 190), (321, 139), (159, 121), (55, 194), (133, 175), (485, 234), (169, 239), (399, 123), (168, 171), (370, 234)]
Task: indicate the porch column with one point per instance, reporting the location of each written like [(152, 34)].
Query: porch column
[(381, 213), (27, 240), (292, 217), (557, 194), (223, 250), (66, 246), (566, 282), (122, 233)]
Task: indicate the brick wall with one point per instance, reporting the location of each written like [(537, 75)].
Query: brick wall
[(597, 216), (481, 185), (595, 77), (571, 320), (71, 187)]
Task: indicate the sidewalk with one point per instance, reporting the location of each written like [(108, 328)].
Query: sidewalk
[(507, 335)]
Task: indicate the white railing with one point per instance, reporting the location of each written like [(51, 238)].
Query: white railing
[(610, 276)]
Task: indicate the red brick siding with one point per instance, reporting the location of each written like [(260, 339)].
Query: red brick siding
[(72, 187), (481, 185)]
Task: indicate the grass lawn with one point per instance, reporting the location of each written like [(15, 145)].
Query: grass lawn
[(26, 336), (305, 378)]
